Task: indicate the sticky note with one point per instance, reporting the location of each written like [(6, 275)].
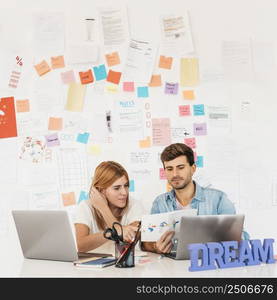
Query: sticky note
[(42, 68), (83, 196), (75, 97), (55, 123), (86, 77), (145, 143), (156, 80), (171, 88), (68, 199), (161, 133), (83, 138), (94, 150), (184, 110), (112, 88), (52, 140), (195, 156), (131, 185), (199, 161), (200, 129), (189, 73), (57, 62), (128, 86), (68, 77), (162, 174), (8, 126), (188, 95), (100, 72), (198, 110), (165, 62), (190, 142), (142, 92), (114, 77), (22, 106), (112, 59)]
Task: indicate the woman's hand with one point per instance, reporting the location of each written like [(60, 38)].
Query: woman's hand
[(129, 232), (97, 200)]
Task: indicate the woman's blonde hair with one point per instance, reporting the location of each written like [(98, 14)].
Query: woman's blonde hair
[(106, 173)]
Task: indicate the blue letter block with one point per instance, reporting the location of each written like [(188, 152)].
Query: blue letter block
[(194, 250)]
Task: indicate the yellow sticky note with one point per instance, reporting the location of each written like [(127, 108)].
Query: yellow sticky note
[(145, 143), (189, 71), (55, 123), (42, 68), (68, 199), (155, 81), (22, 106), (57, 62), (188, 95), (112, 88), (94, 150), (75, 97)]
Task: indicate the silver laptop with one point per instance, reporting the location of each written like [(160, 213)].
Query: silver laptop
[(47, 234), (204, 229)]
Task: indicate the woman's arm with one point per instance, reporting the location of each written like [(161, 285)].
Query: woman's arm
[(85, 240)]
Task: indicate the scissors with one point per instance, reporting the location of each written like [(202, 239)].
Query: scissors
[(115, 233)]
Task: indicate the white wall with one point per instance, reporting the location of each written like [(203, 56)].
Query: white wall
[(239, 160)]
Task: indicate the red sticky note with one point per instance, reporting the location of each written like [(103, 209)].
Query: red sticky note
[(7, 118), (184, 110), (86, 77), (114, 76)]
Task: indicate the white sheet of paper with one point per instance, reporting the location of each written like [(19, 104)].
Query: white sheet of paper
[(82, 53), (140, 61), (153, 226)]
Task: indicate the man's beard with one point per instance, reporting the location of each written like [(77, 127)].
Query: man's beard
[(179, 187)]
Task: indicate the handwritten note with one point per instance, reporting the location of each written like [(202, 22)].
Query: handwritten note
[(161, 132), (114, 77), (200, 129), (198, 110), (86, 77), (112, 59), (165, 62), (42, 68), (171, 88), (52, 140), (22, 106), (75, 97), (184, 110), (57, 62)]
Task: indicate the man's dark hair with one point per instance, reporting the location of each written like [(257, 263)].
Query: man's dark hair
[(175, 150)]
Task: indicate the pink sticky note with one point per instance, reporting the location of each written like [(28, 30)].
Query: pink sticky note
[(128, 87), (162, 174), (190, 142), (68, 77), (161, 132), (184, 110)]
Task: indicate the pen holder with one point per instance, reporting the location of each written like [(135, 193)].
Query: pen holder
[(125, 255)]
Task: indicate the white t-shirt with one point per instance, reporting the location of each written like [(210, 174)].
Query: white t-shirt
[(86, 216)]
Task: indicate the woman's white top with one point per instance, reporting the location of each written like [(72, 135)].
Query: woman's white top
[(85, 214)]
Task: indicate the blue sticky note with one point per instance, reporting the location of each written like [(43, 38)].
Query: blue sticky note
[(198, 110), (142, 92), (131, 185), (199, 162), (83, 196), (100, 72), (83, 137)]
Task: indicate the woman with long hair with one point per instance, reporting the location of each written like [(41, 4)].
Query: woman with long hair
[(108, 202)]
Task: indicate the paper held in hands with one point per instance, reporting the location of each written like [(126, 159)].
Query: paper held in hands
[(153, 226)]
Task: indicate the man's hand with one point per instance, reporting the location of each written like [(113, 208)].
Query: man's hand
[(164, 244)]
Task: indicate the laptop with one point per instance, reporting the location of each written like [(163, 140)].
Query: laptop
[(47, 234), (204, 229)]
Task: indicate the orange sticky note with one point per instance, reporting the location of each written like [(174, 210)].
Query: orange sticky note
[(112, 59), (57, 62), (42, 68), (165, 62), (188, 95), (55, 123), (22, 106), (114, 76), (145, 143), (68, 199), (86, 77), (155, 81)]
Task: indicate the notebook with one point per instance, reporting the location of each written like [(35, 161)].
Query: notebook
[(97, 263)]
